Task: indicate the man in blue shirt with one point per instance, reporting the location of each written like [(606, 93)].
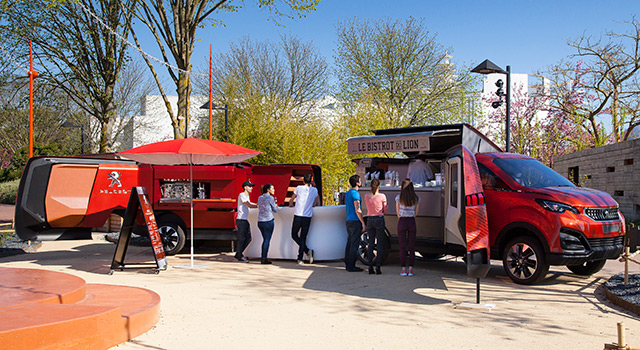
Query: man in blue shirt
[(355, 224)]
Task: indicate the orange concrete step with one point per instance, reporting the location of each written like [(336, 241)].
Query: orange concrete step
[(57, 326), (139, 308), (25, 286), (38, 315)]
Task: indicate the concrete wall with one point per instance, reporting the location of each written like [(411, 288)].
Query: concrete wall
[(614, 169)]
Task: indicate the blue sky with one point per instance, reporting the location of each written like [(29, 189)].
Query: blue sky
[(527, 35)]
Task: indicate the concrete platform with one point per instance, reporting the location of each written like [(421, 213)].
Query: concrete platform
[(42, 309)]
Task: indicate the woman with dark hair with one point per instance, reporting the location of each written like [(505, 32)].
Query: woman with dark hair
[(266, 207), (406, 208), (376, 207)]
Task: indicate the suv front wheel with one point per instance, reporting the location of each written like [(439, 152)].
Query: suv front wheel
[(588, 268), (524, 260)]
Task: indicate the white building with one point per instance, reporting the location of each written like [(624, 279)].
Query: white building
[(154, 123)]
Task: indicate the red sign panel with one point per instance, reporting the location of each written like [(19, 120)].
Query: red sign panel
[(152, 227)]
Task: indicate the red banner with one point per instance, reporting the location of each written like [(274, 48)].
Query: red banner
[(152, 227)]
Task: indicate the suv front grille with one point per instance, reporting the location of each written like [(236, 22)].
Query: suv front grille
[(606, 242), (602, 214)]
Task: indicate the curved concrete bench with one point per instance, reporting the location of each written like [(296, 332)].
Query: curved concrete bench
[(42, 309)]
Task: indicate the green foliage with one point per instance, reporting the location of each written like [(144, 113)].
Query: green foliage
[(14, 167), (8, 191), (396, 70)]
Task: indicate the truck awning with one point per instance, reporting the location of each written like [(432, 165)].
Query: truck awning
[(409, 142)]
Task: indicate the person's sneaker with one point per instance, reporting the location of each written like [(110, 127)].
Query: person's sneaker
[(265, 261), (404, 272), (244, 259), (410, 273), (310, 255), (300, 262)]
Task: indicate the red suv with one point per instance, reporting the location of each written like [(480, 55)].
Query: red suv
[(539, 218)]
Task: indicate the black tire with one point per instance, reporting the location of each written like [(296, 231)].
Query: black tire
[(172, 235), (524, 260), (364, 245), (588, 268)]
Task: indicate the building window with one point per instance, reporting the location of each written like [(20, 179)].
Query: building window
[(628, 161), (588, 177), (574, 174), (618, 193), (611, 169)]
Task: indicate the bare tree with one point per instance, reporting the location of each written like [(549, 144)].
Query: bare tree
[(601, 79), (78, 54), (130, 91), (286, 78), (174, 27)]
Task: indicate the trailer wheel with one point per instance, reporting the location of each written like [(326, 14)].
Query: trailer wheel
[(364, 245), (523, 260), (588, 268), (172, 236)]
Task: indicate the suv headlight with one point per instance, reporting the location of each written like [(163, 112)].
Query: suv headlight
[(557, 207)]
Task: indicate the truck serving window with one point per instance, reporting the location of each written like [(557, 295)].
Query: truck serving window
[(531, 173)]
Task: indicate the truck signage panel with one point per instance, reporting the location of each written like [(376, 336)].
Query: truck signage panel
[(388, 143)]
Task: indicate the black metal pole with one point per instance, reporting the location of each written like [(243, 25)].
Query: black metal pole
[(477, 291), (226, 122), (508, 117)]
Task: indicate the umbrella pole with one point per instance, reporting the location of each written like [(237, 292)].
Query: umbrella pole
[(192, 266), (191, 205)]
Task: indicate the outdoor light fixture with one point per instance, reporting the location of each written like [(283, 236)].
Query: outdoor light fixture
[(488, 67), (226, 116), (499, 93), (68, 124)]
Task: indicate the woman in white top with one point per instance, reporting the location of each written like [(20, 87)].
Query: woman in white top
[(266, 207), (407, 207)]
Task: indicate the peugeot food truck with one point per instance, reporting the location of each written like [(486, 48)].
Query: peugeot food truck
[(535, 216), (68, 197)]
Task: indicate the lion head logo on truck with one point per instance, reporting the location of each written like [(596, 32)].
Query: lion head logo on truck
[(115, 179)]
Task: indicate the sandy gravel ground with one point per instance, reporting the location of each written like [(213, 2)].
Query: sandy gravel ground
[(231, 305)]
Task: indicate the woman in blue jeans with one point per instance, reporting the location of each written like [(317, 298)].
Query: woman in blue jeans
[(266, 207)]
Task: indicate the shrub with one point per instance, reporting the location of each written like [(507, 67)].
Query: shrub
[(8, 191)]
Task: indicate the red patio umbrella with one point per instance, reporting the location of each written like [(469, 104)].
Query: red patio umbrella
[(190, 152)]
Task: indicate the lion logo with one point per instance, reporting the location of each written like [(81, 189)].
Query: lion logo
[(115, 179)]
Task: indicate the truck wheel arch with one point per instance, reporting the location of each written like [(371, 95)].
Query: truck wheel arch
[(513, 230)]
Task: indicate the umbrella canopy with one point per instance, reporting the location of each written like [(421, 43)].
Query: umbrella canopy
[(188, 151)]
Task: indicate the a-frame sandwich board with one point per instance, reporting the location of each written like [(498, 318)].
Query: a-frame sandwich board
[(138, 200)]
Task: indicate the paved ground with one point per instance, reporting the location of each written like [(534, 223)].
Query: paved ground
[(285, 306)]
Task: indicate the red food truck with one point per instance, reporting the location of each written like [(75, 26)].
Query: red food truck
[(534, 217), (68, 197)]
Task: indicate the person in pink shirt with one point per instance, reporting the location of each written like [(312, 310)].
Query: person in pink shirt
[(376, 208)]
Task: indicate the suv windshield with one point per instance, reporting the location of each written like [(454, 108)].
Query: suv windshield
[(531, 173)]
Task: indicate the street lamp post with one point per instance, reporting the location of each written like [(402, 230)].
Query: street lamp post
[(226, 115), (488, 67), (68, 124)]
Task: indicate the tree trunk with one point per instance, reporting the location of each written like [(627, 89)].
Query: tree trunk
[(184, 106)]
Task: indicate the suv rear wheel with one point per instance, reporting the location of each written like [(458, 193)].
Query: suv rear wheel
[(523, 260), (588, 268)]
